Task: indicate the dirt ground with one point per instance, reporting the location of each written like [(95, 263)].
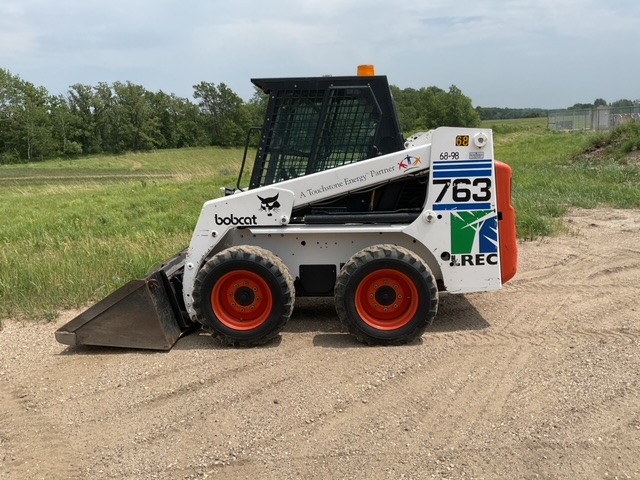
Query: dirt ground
[(539, 380)]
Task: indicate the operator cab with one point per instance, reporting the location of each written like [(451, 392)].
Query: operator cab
[(315, 124)]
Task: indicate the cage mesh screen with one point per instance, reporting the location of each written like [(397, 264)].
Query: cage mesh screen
[(315, 130)]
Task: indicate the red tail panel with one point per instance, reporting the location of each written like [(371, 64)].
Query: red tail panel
[(507, 224)]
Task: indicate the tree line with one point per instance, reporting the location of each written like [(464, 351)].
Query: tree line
[(431, 107), (115, 118), (496, 113), (601, 102), (121, 117)]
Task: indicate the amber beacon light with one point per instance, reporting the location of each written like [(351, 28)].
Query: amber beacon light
[(366, 70)]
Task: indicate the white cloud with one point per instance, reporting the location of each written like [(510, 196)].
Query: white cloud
[(17, 37), (499, 52)]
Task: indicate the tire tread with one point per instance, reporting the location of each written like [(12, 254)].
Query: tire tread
[(253, 254), (384, 252)]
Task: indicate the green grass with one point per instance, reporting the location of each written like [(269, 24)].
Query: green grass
[(551, 173), (516, 125), (72, 231)]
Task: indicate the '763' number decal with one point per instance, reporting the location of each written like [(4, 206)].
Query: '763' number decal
[(465, 189)]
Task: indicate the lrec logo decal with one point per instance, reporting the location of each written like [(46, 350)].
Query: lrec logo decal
[(474, 238)]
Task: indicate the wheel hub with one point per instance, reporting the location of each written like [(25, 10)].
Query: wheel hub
[(244, 296), (385, 295)]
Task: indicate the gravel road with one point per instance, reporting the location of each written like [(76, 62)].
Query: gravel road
[(539, 380)]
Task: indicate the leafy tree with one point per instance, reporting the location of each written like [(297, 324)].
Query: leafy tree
[(179, 120), (581, 106), (223, 112), (459, 111), (64, 127), (138, 125), (107, 119), (407, 106), (10, 105), (622, 103), (256, 107), (599, 102), (25, 132), (189, 130), (32, 121), (432, 107), (82, 106)]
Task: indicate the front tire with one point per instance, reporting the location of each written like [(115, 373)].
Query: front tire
[(244, 295), (386, 295)]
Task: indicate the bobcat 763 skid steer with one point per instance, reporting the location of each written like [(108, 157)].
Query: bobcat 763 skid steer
[(338, 204)]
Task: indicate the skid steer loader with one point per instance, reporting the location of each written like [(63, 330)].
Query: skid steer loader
[(338, 204)]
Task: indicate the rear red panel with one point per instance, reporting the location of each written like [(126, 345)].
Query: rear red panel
[(507, 224)]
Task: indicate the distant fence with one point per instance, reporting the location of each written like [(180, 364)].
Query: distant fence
[(598, 119)]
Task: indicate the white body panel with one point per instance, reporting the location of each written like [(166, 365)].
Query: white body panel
[(455, 233)]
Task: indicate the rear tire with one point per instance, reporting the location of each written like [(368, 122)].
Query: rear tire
[(244, 295), (386, 295)]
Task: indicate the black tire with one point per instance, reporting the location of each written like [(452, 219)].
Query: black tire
[(386, 295), (244, 295)]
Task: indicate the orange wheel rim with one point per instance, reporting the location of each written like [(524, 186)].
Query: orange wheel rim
[(387, 299), (241, 300)]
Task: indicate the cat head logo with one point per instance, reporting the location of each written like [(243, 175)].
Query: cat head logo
[(269, 205)]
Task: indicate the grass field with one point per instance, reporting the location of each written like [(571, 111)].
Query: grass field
[(71, 231), (516, 124), (554, 171)]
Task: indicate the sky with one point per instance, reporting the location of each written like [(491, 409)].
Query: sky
[(500, 53)]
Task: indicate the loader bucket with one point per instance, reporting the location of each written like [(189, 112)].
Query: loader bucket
[(142, 314)]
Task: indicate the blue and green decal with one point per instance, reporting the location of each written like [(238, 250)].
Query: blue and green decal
[(474, 232)]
